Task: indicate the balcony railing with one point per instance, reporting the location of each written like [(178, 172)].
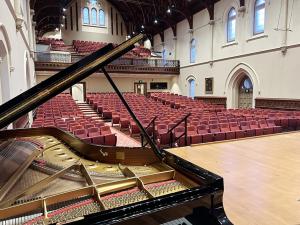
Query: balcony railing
[(66, 57), (60, 60)]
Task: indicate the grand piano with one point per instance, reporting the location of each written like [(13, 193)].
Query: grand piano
[(48, 176)]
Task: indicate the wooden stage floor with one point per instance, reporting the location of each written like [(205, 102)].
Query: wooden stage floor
[(261, 177)]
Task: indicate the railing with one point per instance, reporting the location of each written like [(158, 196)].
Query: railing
[(61, 57), (170, 131), (66, 57), (152, 132)]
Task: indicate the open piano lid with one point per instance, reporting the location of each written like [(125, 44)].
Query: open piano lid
[(128, 193)]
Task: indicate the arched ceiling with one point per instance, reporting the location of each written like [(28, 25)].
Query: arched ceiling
[(148, 16), (47, 14)]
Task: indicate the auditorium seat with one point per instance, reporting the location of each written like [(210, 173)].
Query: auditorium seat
[(203, 130), (215, 130), (255, 126), (271, 124), (245, 126), (263, 124), (194, 137), (224, 127), (162, 134), (234, 126)]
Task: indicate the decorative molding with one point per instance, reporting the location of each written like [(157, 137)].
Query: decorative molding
[(19, 23), (277, 103)]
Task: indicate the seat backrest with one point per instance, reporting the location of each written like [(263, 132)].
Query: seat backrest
[(244, 125), (179, 129), (224, 127), (271, 123), (202, 129), (234, 126), (263, 123), (79, 131), (105, 130), (162, 126), (93, 130), (214, 128), (254, 124)]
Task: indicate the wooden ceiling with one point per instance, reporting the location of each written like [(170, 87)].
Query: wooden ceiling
[(148, 16)]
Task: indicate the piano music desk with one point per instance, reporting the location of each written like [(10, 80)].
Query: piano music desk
[(261, 176)]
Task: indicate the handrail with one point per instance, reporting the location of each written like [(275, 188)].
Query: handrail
[(184, 119), (146, 128)]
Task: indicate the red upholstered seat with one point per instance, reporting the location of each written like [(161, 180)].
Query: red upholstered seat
[(263, 124), (194, 137), (224, 127), (245, 126), (203, 130), (236, 128), (162, 134), (215, 130), (271, 124), (254, 126)]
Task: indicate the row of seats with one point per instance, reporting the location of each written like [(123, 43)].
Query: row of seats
[(215, 132), (90, 130), (214, 118)]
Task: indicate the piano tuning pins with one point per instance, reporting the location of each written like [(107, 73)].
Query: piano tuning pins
[(164, 188)]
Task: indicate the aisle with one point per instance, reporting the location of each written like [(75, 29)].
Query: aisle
[(122, 139)]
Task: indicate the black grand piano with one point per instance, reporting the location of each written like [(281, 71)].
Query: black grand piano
[(49, 176)]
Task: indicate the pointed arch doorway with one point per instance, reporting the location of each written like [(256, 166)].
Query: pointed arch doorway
[(245, 93)]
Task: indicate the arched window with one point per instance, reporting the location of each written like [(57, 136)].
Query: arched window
[(193, 51), (86, 15), (94, 16), (231, 24), (192, 88), (259, 17), (101, 17)]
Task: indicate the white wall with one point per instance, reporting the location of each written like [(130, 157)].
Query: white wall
[(274, 74), (18, 46), (93, 33), (125, 82)]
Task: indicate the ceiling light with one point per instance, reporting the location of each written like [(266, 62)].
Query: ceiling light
[(62, 25), (56, 29), (63, 17), (64, 9), (142, 27), (155, 21), (169, 11), (133, 33)]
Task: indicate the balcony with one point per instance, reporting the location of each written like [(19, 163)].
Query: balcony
[(56, 61)]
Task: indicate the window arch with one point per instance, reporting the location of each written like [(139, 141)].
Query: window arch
[(86, 15), (101, 17), (231, 25), (192, 88), (94, 16), (259, 17), (193, 51)]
